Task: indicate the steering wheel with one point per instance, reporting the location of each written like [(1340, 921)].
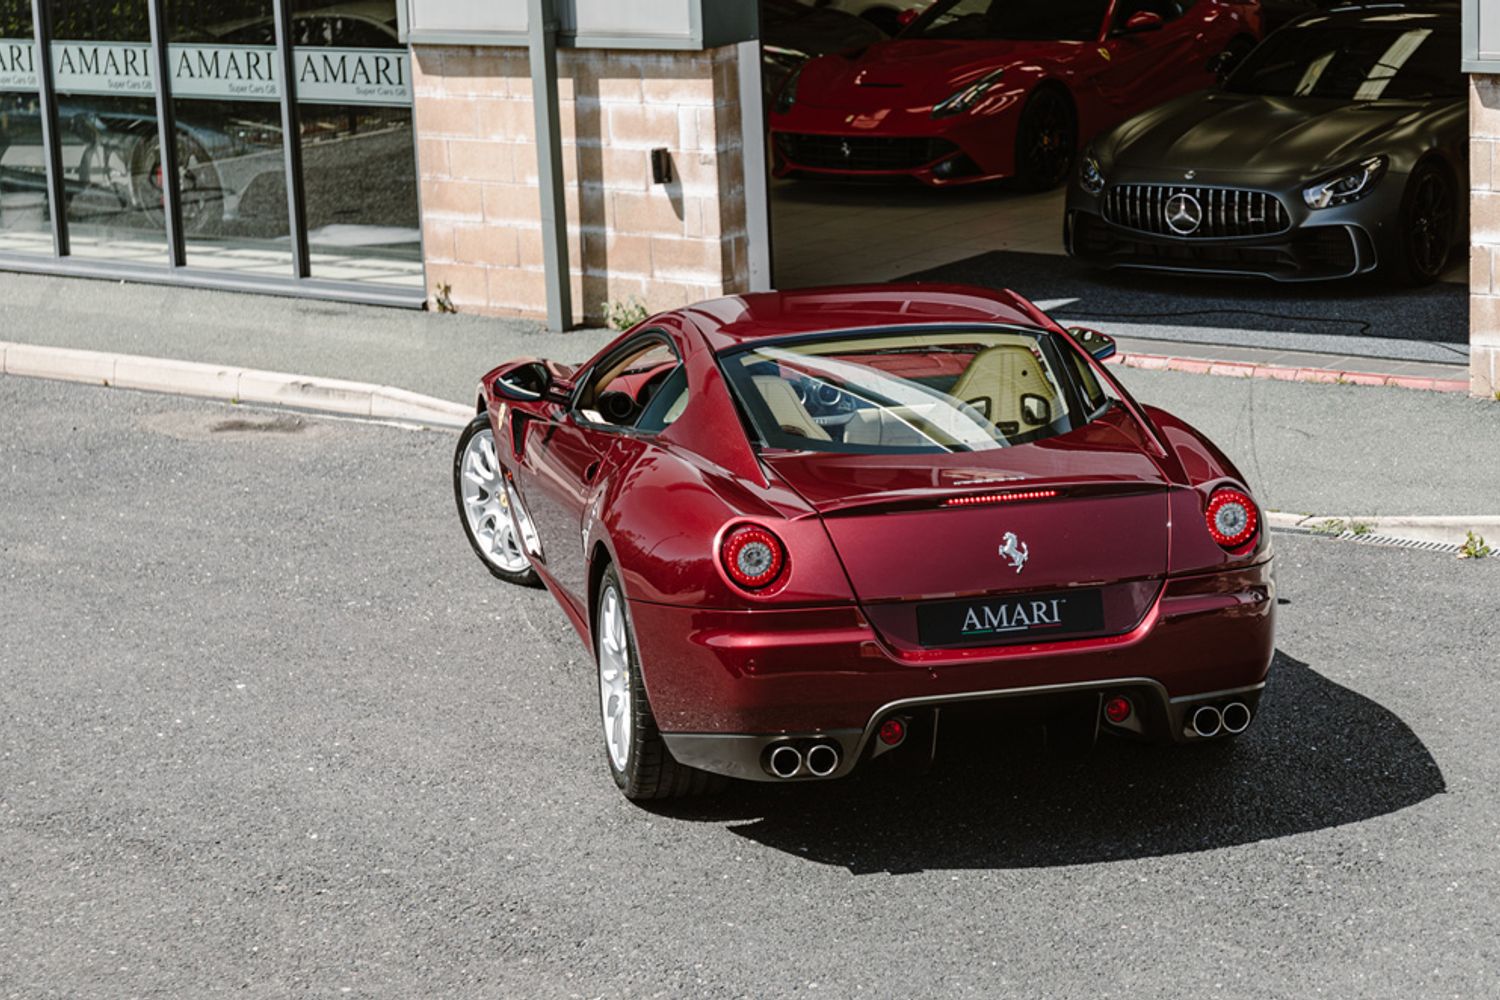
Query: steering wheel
[(617, 407), (651, 386)]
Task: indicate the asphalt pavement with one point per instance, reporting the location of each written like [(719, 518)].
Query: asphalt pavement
[(1347, 449), (267, 728)]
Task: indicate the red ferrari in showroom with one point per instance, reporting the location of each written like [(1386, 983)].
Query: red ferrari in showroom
[(796, 529), (977, 90)]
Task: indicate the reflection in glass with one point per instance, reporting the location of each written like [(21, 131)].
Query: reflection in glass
[(229, 153), (358, 159), (108, 142), (25, 221)]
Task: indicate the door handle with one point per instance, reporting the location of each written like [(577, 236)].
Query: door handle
[(590, 471)]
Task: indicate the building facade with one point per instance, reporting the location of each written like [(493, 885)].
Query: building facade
[(399, 152)]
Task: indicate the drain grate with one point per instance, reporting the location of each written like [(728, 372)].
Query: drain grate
[(1370, 538)]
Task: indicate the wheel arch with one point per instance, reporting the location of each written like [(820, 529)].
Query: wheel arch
[(600, 559)]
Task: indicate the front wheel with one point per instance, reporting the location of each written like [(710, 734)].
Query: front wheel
[(484, 506), (1429, 213), (1046, 140), (638, 757)]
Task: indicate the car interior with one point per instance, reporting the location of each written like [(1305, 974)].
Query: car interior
[(645, 388), (907, 392)]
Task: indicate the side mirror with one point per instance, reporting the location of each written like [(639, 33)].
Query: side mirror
[(1099, 345), (1224, 63), (908, 15), (528, 383), (1143, 20)]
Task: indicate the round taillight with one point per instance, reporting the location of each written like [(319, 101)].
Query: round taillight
[(892, 732), (1231, 518), (1117, 709), (753, 557)]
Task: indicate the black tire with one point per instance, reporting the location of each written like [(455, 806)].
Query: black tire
[(1426, 232), (1046, 140), (650, 771), (524, 578), (200, 191)]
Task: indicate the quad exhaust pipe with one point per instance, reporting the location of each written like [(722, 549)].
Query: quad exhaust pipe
[(785, 761), (789, 760), (1209, 721), (822, 760)]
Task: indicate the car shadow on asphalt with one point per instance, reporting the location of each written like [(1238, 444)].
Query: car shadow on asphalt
[(1319, 755)]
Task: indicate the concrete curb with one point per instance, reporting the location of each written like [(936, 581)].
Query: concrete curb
[(1283, 373), (1447, 529), (244, 385)]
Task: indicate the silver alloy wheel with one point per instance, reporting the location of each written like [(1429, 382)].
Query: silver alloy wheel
[(614, 677), (487, 505)]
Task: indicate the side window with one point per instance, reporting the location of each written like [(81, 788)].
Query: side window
[(668, 403), (625, 387), (1168, 9)]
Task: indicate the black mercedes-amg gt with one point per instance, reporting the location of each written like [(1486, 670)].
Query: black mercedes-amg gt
[(1339, 145)]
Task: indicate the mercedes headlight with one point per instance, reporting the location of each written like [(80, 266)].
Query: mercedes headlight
[(1346, 186), (1090, 176), (966, 97), (788, 93)]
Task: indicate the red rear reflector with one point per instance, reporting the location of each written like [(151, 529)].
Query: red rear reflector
[(974, 499), (892, 731), (1117, 709)]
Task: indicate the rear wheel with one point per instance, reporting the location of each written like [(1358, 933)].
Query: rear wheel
[(1429, 213), (484, 506), (638, 757), (1046, 140)]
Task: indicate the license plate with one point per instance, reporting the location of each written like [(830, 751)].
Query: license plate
[(993, 621)]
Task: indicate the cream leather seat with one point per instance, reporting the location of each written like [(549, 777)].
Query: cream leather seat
[(786, 409), (877, 427), (995, 380)]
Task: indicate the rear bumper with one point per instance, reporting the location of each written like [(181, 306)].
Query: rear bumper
[(752, 677)]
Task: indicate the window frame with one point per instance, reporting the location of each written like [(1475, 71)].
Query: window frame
[(634, 346)]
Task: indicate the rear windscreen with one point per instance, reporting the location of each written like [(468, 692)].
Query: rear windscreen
[(935, 390)]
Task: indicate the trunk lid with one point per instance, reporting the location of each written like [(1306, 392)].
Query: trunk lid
[(911, 529)]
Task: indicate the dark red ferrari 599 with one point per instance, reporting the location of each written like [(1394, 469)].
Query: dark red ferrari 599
[(795, 529)]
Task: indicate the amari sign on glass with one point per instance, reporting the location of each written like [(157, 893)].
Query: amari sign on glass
[(238, 72)]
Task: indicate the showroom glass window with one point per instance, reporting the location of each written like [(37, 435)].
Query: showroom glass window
[(248, 203), (230, 162), (106, 128), (358, 158), (25, 219)]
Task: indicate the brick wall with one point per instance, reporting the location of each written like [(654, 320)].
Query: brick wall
[(1484, 235), (666, 245)]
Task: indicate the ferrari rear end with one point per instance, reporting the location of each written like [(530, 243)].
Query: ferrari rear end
[(1016, 534)]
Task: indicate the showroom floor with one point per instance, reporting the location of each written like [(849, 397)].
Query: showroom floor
[(829, 234)]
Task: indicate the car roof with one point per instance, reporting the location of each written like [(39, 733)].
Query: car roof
[(1355, 13), (739, 319)]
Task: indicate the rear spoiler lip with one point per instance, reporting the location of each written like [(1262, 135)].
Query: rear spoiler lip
[(907, 501)]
